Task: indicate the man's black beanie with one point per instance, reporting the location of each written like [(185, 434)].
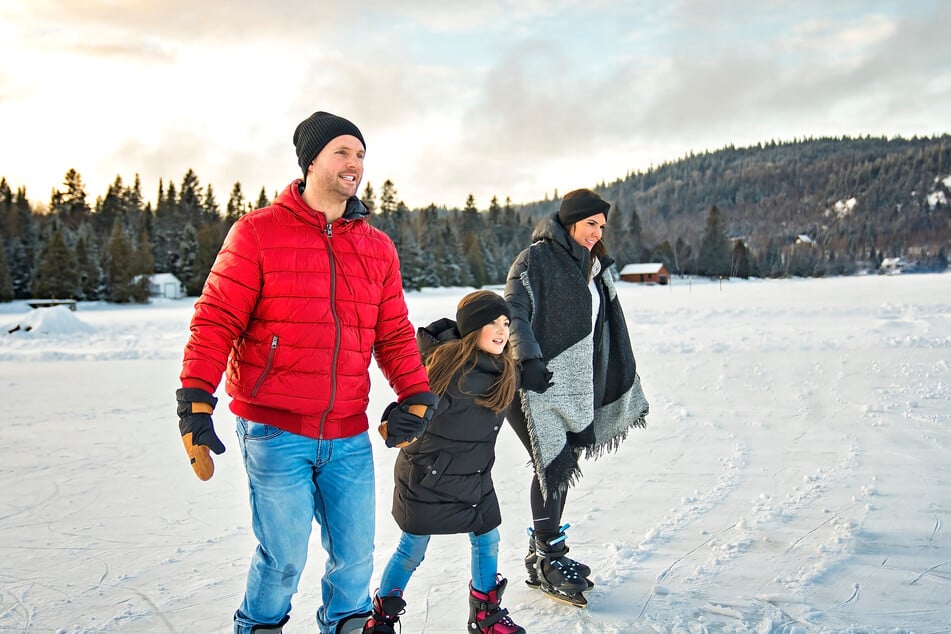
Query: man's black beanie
[(316, 131), (580, 204)]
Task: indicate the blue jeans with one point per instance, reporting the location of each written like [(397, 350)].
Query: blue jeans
[(294, 480), (411, 551)]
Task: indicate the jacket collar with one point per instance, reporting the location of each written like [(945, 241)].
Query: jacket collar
[(292, 198)]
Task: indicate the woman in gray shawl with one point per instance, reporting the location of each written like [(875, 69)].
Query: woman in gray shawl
[(581, 393)]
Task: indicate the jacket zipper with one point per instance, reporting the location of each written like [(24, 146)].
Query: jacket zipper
[(333, 311), (267, 366)]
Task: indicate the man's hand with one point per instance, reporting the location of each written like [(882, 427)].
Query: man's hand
[(195, 407), (404, 422)]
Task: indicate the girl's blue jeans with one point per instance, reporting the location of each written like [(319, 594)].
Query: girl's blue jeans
[(294, 480), (412, 550)]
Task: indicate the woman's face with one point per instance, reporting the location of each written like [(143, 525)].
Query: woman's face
[(587, 232), (494, 336)]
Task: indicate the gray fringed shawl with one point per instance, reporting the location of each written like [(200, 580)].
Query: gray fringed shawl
[(596, 397)]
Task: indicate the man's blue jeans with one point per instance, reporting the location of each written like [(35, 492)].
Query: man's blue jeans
[(294, 480), (484, 561)]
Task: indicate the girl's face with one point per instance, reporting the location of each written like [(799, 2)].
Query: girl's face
[(494, 336), (587, 232)]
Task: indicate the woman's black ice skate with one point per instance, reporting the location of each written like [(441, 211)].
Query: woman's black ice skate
[(532, 557), (553, 573)]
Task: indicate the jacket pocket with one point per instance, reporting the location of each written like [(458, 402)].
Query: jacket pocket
[(267, 366), (435, 471)]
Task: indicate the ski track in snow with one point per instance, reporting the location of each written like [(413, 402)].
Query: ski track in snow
[(794, 475)]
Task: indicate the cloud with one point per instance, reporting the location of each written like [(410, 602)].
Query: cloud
[(493, 98)]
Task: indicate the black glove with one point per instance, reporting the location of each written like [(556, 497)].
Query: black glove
[(198, 432), (404, 422), (535, 376)]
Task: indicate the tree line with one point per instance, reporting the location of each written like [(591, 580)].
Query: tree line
[(811, 207)]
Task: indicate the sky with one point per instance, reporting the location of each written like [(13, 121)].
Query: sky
[(508, 99), (794, 475)]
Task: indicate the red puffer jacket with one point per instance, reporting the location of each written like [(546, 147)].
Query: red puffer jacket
[(295, 309)]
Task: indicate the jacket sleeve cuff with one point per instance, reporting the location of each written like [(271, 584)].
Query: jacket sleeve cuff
[(199, 384), (411, 390)]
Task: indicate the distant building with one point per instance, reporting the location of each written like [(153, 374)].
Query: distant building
[(891, 266), (646, 273), (804, 240), (165, 285)]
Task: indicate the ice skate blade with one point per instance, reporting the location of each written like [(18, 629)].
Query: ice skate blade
[(577, 599), (534, 583)]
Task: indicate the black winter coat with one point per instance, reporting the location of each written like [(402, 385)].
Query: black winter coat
[(443, 481)]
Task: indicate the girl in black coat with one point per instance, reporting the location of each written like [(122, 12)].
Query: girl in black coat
[(443, 481)]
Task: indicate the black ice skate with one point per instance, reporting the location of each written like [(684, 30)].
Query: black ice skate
[(553, 573), (531, 558)]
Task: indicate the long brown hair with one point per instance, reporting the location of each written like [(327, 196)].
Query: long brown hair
[(454, 359)]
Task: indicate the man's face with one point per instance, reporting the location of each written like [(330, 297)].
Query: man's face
[(338, 169)]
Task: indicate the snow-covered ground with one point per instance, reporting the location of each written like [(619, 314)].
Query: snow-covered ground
[(795, 475)]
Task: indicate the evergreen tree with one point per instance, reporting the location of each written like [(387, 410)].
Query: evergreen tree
[(772, 264), (186, 256), (664, 253), (237, 206), (263, 200), (472, 244), (714, 257), (143, 262), (22, 243), (369, 198), (741, 260), (87, 263), (165, 237), (119, 275), (135, 206), (210, 205), (495, 211), (447, 251), (388, 198), (110, 207), (191, 208), (69, 205), (475, 258), (6, 283), (57, 275), (624, 236), (209, 239)]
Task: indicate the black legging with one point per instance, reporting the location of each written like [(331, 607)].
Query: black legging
[(546, 514)]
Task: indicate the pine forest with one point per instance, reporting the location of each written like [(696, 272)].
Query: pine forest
[(805, 208)]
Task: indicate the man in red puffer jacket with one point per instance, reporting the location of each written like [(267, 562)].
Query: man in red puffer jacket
[(302, 292)]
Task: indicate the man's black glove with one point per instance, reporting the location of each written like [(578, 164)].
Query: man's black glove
[(404, 422), (535, 376), (198, 432)]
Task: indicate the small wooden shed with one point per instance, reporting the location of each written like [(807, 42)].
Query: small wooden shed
[(646, 273)]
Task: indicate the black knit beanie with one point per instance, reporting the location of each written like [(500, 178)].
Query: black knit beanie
[(580, 204), (481, 312), (316, 131)]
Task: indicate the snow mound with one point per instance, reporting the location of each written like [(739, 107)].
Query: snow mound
[(54, 320)]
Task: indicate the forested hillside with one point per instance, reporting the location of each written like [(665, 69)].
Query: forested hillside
[(806, 208)]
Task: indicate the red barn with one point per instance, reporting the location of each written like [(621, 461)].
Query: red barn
[(646, 273)]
